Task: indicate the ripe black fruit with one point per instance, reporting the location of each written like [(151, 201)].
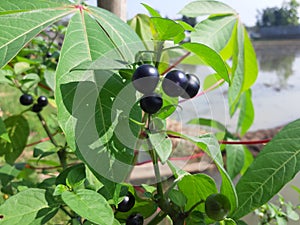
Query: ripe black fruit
[(151, 103), (42, 101), (26, 99), (193, 86), (36, 108), (217, 206), (145, 78), (127, 203), (135, 219), (174, 83)]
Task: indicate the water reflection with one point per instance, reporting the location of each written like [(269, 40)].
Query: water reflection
[(278, 58)]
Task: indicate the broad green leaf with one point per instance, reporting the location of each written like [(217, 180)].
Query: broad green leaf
[(275, 166), (168, 108), (197, 188), (162, 145), (8, 173), (21, 21), (3, 132), (141, 25), (44, 216), (185, 25), (246, 116), (177, 197), (89, 101), (195, 218), (25, 207), (49, 76), (18, 131), (21, 67), (229, 221), (44, 149), (210, 57), (166, 29), (244, 67), (206, 7), (234, 159), (91, 181), (76, 177), (251, 65), (62, 177), (152, 11), (248, 159), (210, 145), (215, 32), (59, 189), (30, 81), (90, 205), (177, 172)]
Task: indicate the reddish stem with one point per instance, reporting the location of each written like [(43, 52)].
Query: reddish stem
[(176, 63), (44, 87), (253, 142), (40, 141)]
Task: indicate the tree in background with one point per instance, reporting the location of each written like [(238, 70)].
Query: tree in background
[(287, 14)]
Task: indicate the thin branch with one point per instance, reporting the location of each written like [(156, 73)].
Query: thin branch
[(176, 63)]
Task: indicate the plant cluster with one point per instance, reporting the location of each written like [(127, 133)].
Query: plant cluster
[(96, 122)]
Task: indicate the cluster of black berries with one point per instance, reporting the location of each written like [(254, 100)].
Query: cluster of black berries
[(27, 99), (175, 83), (125, 205)]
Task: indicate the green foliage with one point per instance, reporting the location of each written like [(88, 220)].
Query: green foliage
[(101, 125)]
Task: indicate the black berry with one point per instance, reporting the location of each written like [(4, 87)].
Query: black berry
[(127, 203), (135, 219), (26, 99), (217, 206), (42, 101), (174, 83), (151, 103), (145, 78), (36, 108), (193, 86)]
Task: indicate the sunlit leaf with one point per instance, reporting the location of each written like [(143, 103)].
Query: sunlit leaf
[(279, 161)]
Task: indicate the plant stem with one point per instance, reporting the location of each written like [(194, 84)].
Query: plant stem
[(159, 50), (158, 218), (176, 63), (66, 212), (62, 152)]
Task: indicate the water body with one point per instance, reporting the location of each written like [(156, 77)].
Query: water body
[(275, 94)]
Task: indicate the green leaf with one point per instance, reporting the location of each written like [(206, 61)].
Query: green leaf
[(246, 116), (166, 29), (210, 145), (44, 149), (3, 132), (153, 12), (49, 76), (210, 57), (229, 221), (206, 7), (59, 189), (168, 108), (30, 80), (62, 177), (215, 32), (177, 172), (291, 213), (248, 159), (76, 177), (141, 25), (276, 165), (177, 197), (195, 218), (89, 102), (234, 159), (90, 205), (18, 131), (162, 145), (244, 67), (20, 21), (21, 67), (197, 188), (25, 207), (8, 173)]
